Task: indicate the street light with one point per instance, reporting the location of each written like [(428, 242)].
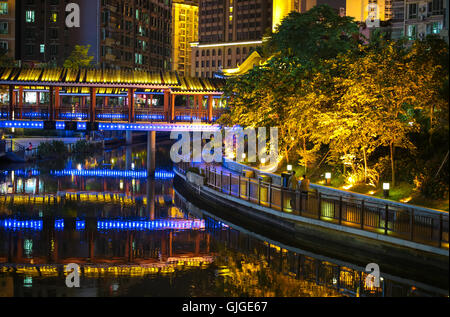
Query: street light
[(132, 166), (289, 168), (263, 161), (328, 178), (386, 190)]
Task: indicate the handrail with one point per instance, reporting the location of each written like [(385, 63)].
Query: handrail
[(430, 228)]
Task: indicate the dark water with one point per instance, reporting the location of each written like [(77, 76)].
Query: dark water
[(133, 236)]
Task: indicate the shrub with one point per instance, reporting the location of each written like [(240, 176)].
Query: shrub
[(52, 149)]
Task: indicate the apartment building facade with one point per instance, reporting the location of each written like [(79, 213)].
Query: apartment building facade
[(8, 27), (230, 30), (416, 19), (184, 32), (133, 34)]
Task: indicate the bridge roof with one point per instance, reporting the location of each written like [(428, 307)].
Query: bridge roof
[(108, 78)]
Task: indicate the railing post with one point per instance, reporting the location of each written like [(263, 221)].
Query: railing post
[(362, 215), (319, 205), (386, 220), (340, 210), (301, 202), (259, 191), (229, 184), (440, 230), (411, 224), (239, 186), (269, 195), (282, 198), (248, 188), (221, 180)]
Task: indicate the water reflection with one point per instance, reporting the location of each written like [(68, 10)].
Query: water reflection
[(134, 236)]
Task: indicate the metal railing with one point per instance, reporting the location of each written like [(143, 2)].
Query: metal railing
[(404, 223)]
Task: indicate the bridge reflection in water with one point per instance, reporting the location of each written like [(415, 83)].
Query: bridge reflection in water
[(135, 236)]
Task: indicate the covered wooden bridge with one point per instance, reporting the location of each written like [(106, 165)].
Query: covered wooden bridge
[(95, 95)]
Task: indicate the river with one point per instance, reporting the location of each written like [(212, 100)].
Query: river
[(133, 236)]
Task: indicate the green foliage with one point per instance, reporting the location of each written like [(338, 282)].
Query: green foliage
[(83, 149), (334, 99), (317, 34), (79, 57), (5, 60), (53, 149)]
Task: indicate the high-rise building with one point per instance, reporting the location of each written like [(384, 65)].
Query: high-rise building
[(8, 26), (415, 19), (131, 34), (184, 32), (230, 30), (372, 12)]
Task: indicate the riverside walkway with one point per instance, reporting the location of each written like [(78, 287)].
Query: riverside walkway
[(340, 211)]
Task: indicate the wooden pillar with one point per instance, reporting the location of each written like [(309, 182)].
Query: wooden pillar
[(151, 101), (20, 102), (170, 243), (131, 105), (51, 110), (166, 104), (197, 244), (57, 100), (11, 101), (91, 246), (151, 153), (210, 108), (172, 108), (93, 96), (38, 100), (105, 101)]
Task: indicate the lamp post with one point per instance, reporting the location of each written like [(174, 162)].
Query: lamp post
[(263, 161), (289, 168), (328, 178), (386, 190)]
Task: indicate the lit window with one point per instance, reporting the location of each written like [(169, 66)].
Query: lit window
[(3, 7), (54, 17), (42, 48), (29, 16)]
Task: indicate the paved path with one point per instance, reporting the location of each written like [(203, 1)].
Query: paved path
[(36, 141)]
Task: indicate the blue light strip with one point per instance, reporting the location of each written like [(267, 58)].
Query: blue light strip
[(106, 224), (34, 115), (112, 173), (156, 127), (22, 124), (21, 224), (112, 116), (150, 225), (159, 174), (149, 117), (117, 126), (80, 224), (59, 224), (71, 115)]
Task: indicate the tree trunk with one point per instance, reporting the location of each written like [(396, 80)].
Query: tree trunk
[(287, 154), (392, 148), (430, 132), (365, 165), (304, 152)]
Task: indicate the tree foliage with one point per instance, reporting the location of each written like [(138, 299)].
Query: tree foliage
[(330, 96), (79, 57)]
